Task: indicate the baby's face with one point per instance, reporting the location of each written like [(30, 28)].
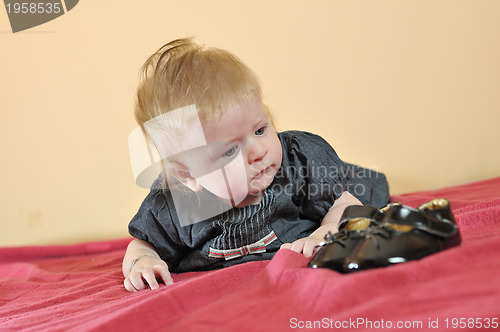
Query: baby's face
[(243, 154)]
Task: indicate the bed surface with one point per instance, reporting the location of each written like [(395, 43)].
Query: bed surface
[(80, 287)]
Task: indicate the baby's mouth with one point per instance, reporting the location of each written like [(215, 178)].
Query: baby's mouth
[(261, 173)]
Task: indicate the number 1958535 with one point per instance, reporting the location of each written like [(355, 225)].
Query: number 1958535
[(471, 323), (33, 8)]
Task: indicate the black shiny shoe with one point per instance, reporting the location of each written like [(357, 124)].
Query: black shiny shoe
[(334, 250), (402, 234), (337, 247)]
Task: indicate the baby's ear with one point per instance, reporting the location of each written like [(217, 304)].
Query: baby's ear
[(183, 175)]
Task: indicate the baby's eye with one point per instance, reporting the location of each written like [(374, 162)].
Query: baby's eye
[(231, 151), (260, 131)]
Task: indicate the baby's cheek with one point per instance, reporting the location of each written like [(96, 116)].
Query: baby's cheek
[(237, 181), (228, 182)]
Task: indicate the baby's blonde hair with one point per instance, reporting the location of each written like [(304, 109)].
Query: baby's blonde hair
[(183, 73)]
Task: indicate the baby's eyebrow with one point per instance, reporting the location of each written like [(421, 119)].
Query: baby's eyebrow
[(202, 159), (190, 154)]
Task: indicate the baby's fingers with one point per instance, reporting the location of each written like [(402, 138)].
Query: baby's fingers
[(128, 285), (158, 271), (309, 249), (286, 246), (164, 274), (150, 278), (134, 282), (296, 246)]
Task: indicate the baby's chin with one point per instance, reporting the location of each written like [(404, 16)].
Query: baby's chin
[(241, 201), (250, 199), (256, 188), (253, 196)]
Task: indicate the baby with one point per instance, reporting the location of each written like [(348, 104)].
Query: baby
[(232, 189)]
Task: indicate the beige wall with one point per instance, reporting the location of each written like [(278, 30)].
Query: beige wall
[(408, 87)]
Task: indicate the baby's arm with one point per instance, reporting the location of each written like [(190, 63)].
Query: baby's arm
[(142, 266), (330, 222)]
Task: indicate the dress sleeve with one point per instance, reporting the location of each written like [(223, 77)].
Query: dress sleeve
[(155, 224), (318, 174)]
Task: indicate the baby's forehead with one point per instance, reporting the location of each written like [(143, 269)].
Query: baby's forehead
[(200, 153), (191, 138), (194, 126)]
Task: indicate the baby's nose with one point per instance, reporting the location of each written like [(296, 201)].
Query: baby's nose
[(256, 151)]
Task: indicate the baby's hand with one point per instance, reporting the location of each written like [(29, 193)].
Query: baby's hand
[(306, 246), (145, 272)]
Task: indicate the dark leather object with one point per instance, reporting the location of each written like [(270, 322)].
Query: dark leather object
[(371, 238)]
